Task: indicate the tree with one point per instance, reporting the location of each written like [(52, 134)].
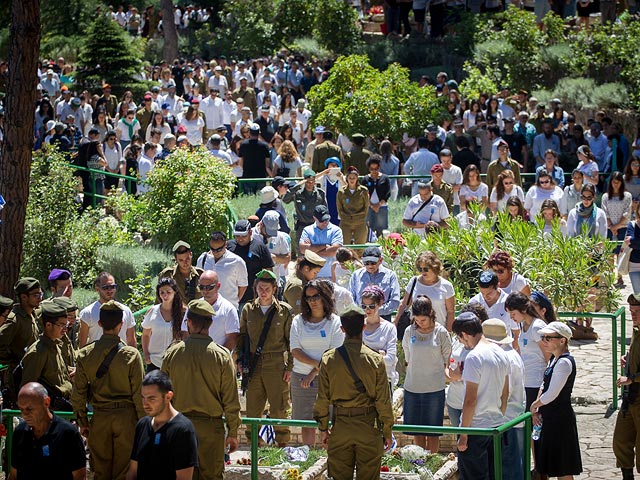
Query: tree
[(336, 26), (16, 153), (170, 52), (107, 55), (359, 98)]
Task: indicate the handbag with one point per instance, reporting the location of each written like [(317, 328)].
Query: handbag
[(623, 261), (405, 319)]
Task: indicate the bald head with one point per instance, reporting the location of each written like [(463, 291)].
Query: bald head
[(33, 402), (210, 276), (33, 390), (209, 279)]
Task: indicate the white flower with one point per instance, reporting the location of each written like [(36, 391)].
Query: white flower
[(412, 452)]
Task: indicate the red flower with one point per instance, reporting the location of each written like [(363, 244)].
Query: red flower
[(384, 468)]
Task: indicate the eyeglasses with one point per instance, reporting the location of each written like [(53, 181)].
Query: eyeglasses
[(61, 325), (206, 288), (634, 164), (370, 263), (546, 338), (112, 286), (370, 306), (586, 197), (36, 294), (219, 249), (423, 269), (313, 298)]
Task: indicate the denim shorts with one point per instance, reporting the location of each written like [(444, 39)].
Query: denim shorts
[(424, 409)]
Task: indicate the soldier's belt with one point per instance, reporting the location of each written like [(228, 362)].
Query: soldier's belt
[(113, 406), (353, 412), (264, 356), (200, 416)]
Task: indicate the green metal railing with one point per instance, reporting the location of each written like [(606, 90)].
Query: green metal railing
[(613, 317), (494, 433)]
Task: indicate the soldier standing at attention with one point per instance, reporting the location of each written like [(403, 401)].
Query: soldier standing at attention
[(185, 274), (265, 354), (353, 379), (109, 377), (20, 328), (205, 389)]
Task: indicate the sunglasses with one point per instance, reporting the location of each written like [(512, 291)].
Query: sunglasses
[(507, 183), (586, 197), (370, 306), (546, 338), (312, 298), (219, 249), (423, 269), (206, 288), (544, 182), (113, 286), (370, 263)]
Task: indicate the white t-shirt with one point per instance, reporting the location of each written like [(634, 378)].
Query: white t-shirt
[(426, 356), (453, 176), (161, 334), (518, 282), (231, 270), (438, 293), (194, 132), (516, 191), (488, 366), (532, 356), (278, 245), (314, 339), (113, 155), (225, 321), (455, 390), (91, 315), (343, 298), (385, 338), (436, 210), (517, 398), (479, 193), (536, 195), (497, 309)]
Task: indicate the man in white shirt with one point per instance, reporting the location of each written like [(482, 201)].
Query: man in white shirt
[(268, 232), (486, 378), (228, 265), (218, 81), (174, 102), (146, 163), (212, 107), (452, 174), (267, 92), (213, 145), (304, 115), (225, 327), (90, 329), (425, 211)]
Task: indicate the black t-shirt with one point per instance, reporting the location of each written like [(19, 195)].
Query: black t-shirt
[(254, 154), (161, 453), (516, 141), (55, 455), (464, 158), (257, 257)]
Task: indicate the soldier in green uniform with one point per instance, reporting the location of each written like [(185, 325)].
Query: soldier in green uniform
[(358, 155), (70, 340), (270, 370), (440, 187), (185, 275), (307, 268), (109, 377), (324, 150), (6, 304), (205, 389), (21, 327), (361, 401), (43, 362)]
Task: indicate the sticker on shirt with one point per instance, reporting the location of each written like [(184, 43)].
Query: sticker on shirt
[(323, 334), (45, 450), (156, 440)]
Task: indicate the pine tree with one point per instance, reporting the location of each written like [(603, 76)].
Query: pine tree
[(107, 55)]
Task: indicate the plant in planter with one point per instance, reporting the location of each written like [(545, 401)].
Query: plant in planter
[(412, 459)]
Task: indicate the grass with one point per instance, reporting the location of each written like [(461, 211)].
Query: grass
[(274, 457)]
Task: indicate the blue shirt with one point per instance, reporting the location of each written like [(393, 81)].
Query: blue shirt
[(598, 146), (384, 278), (318, 236), (529, 132), (541, 144), (421, 161), (557, 174)]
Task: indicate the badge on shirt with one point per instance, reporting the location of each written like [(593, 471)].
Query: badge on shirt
[(346, 200), (524, 341), (323, 334), (156, 440), (45, 450)]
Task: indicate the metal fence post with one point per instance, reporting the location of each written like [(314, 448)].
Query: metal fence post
[(614, 354), (254, 451), (527, 447), (92, 180), (497, 454)]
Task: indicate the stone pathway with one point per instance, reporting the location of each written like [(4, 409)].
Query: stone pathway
[(592, 395)]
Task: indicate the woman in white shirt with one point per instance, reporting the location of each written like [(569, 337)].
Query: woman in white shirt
[(194, 123), (504, 189), (588, 165), (115, 160), (473, 189), (544, 189), (158, 121), (427, 349), (162, 323), (509, 280), (127, 128), (551, 215), (379, 334), (315, 330)]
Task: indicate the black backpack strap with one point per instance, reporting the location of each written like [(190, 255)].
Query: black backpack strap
[(356, 379), (424, 204), (104, 366)]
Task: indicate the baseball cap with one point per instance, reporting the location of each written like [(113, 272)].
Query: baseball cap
[(321, 213), (242, 228), (308, 173), (559, 328), (271, 222), (371, 254)]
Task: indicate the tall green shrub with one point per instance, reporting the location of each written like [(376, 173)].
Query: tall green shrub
[(336, 26)]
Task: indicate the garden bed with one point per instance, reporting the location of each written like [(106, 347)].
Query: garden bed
[(412, 462), (276, 464)]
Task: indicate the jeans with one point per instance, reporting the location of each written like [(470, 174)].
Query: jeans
[(393, 19), (454, 416), (512, 457), (378, 221), (476, 462), (635, 278)]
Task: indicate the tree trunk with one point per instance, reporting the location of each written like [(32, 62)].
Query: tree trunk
[(170, 52), (16, 153)]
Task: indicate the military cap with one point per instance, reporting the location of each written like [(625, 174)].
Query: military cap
[(59, 274), (66, 303), (313, 257), (266, 275), (25, 285), (179, 245), (201, 308), (352, 310), (53, 310), (5, 303)]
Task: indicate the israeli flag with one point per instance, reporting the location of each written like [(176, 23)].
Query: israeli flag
[(268, 434)]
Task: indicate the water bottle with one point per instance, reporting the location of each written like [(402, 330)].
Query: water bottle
[(535, 433)]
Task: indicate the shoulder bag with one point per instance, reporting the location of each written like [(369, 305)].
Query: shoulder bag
[(405, 319)]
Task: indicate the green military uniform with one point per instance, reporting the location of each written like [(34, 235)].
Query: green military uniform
[(249, 97), (267, 382), (357, 157), (495, 168), (116, 401), (188, 285), (353, 208), (144, 116), (445, 191), (324, 150), (44, 363), (205, 389), (111, 105), (304, 202), (69, 342), (292, 294), (16, 334), (361, 419)]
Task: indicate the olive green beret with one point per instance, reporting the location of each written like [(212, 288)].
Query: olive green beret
[(25, 285), (313, 257), (52, 310), (180, 244), (201, 308), (5, 303), (266, 275), (66, 303), (352, 310), (111, 306)]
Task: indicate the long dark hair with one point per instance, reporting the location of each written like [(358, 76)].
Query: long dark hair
[(610, 192), (499, 186), (422, 306), (177, 308), (520, 302), (326, 296)]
